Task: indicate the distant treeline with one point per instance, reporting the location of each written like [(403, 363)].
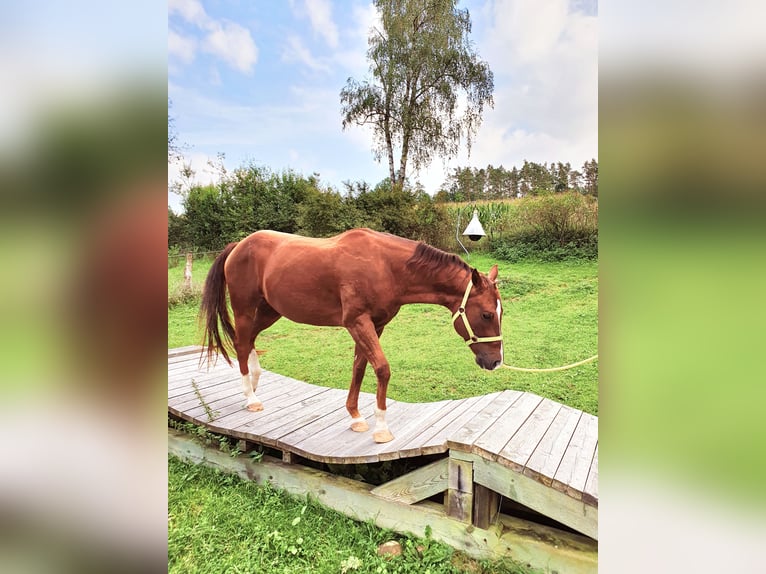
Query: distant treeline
[(471, 184), (534, 222)]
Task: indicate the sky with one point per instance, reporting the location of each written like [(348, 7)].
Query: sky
[(259, 82)]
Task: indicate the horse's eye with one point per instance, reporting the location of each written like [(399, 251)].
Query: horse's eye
[(487, 316)]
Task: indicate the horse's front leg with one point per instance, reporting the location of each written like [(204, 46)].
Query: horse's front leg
[(366, 336)]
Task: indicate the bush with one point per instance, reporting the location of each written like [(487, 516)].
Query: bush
[(551, 227), (531, 246)]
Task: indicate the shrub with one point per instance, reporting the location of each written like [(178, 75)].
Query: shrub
[(551, 227)]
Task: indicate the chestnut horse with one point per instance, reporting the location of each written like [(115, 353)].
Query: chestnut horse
[(358, 280)]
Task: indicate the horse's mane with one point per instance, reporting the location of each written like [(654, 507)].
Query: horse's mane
[(427, 258)]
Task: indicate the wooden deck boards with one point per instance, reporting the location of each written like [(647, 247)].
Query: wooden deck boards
[(553, 444)]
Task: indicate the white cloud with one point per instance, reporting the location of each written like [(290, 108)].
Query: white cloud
[(545, 60), (233, 44), (319, 13), (353, 58), (190, 10), (295, 51), (227, 40), (182, 47)]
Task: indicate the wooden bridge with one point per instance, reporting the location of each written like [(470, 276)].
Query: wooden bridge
[(518, 473)]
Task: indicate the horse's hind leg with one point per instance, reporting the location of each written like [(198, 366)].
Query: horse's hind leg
[(358, 423), (247, 329)]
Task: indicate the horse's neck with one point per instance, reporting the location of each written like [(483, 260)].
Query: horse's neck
[(444, 288)]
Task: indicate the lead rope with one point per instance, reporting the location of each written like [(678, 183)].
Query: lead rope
[(472, 338), (552, 369)]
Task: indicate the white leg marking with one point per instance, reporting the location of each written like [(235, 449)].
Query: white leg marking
[(250, 382), (380, 420), (381, 434), (254, 365), (359, 424)]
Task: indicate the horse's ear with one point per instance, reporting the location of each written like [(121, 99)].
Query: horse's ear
[(476, 278), (493, 274)]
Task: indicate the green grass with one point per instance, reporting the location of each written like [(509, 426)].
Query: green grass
[(220, 523), (550, 319)]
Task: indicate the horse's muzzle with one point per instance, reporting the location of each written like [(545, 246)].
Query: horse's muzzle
[(488, 364)]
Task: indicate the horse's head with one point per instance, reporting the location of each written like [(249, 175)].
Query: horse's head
[(478, 319)]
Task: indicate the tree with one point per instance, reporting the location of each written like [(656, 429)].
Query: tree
[(590, 175), (421, 59)]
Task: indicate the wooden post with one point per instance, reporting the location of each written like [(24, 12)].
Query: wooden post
[(188, 272), (459, 500), (486, 506)]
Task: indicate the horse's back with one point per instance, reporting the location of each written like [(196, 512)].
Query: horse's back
[(309, 280)]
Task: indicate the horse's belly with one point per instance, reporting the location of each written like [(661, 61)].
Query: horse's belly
[(312, 316), (309, 304)]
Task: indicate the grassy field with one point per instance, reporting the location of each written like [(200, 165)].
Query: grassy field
[(217, 523)]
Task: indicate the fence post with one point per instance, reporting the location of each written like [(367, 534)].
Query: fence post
[(188, 272)]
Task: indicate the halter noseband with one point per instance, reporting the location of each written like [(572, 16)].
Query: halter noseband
[(472, 338)]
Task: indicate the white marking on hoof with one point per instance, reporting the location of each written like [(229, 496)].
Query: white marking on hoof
[(381, 436), (358, 424), (254, 404)]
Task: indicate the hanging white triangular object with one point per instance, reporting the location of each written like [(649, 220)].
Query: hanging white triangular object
[(474, 230)]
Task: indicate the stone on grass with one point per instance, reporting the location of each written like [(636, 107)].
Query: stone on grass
[(390, 549)]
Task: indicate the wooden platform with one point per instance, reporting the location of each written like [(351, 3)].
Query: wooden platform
[(539, 453)]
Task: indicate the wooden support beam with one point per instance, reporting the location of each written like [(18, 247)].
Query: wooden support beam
[(245, 445), (540, 547), (416, 485), (560, 506), (486, 506), (459, 500)]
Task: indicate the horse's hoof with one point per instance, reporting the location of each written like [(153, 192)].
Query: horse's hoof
[(255, 407), (360, 426), (382, 436)]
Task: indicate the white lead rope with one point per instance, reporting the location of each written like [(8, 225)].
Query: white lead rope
[(552, 369)]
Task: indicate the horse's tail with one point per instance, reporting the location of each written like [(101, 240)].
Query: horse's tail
[(213, 309)]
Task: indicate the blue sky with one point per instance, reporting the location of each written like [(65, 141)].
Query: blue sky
[(260, 81)]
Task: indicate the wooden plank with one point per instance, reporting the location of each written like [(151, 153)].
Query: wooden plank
[(590, 493), (413, 446), (437, 443), (342, 445), (573, 470), (269, 428), (416, 485), (517, 451), (183, 362), (406, 422), (192, 405), (486, 506), (561, 507), (545, 459), (464, 438), (459, 500), (178, 351), (332, 422), (541, 547), (184, 385), (494, 438)]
